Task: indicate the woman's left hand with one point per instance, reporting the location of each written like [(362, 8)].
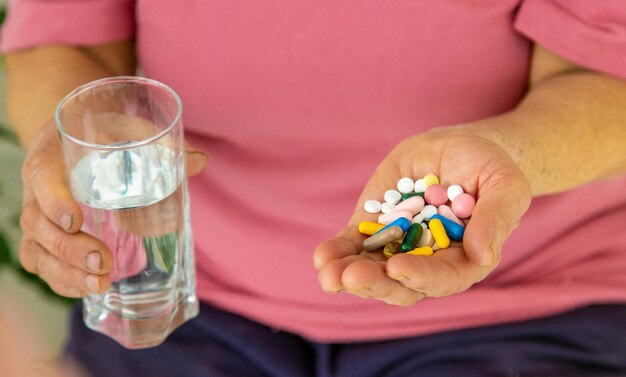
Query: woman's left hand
[(456, 155)]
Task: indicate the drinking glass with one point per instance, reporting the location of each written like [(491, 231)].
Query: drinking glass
[(123, 147)]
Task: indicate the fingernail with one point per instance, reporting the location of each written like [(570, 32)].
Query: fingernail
[(94, 261), (66, 221), (196, 152), (92, 283)]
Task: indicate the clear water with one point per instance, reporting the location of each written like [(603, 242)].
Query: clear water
[(135, 201)]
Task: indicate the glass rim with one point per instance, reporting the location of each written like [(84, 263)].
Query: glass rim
[(109, 80)]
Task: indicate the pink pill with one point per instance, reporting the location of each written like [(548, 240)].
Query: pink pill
[(446, 212), (463, 206), (413, 205), (388, 218), (436, 195)]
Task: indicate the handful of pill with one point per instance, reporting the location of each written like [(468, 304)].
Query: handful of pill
[(416, 219)]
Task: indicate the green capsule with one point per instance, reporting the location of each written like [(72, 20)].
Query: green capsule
[(410, 195), (392, 248), (412, 237)]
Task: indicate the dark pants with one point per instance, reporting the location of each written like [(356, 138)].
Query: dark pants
[(585, 342)]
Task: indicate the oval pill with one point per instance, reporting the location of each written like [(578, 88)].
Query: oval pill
[(382, 238), (388, 218), (424, 250), (430, 179), (453, 230), (372, 206), (392, 248), (446, 212), (369, 228), (392, 196), (439, 233), (428, 211), (412, 237), (402, 222), (413, 205), (453, 191), (463, 205), (420, 186), (406, 185), (436, 195)]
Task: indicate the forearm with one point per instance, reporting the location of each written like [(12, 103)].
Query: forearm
[(569, 130), (37, 79)]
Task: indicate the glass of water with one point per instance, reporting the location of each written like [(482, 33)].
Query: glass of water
[(124, 153)]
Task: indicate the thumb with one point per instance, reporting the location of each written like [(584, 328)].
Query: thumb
[(195, 159), (498, 211)]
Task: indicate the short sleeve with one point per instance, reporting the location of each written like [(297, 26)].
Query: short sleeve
[(591, 33), (31, 23)]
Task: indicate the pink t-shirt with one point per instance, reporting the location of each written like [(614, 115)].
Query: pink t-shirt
[(296, 102)]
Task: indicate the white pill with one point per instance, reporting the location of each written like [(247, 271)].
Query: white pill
[(424, 226), (372, 206), (435, 246), (392, 196), (454, 191), (387, 207), (420, 186), (429, 211), (406, 185), (418, 219)]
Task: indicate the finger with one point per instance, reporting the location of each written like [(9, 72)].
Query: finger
[(62, 278), (368, 278), (348, 242), (195, 159), (329, 276), (79, 249), (447, 272), (502, 200), (43, 175)]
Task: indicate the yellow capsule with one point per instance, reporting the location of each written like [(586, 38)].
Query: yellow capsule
[(439, 233), (369, 228), (431, 179), (424, 250)]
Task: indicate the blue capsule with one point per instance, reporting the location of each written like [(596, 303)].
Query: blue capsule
[(402, 222), (453, 230)]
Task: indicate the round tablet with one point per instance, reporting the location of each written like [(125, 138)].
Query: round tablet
[(406, 185), (420, 186), (463, 206), (428, 211), (436, 195), (372, 206), (454, 191), (392, 196), (387, 207), (418, 219), (431, 179)]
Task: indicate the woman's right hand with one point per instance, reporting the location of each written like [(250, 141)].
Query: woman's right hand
[(72, 262)]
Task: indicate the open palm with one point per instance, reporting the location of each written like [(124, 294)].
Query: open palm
[(455, 155)]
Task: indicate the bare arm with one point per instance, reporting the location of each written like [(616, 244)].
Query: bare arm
[(38, 78), (569, 130)]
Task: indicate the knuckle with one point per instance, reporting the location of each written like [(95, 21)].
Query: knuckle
[(27, 218), (28, 256), (62, 246), (33, 166)]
